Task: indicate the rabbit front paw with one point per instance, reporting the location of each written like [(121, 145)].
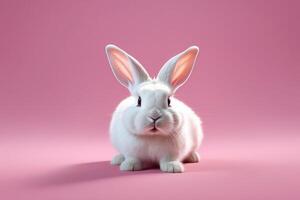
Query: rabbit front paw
[(171, 167), (117, 160), (131, 164)]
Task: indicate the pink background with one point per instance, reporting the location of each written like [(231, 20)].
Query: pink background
[(57, 94)]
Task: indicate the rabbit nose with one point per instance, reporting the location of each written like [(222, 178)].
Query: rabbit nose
[(154, 119), (155, 113)]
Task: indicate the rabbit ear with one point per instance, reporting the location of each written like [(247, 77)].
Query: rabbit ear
[(178, 69), (126, 69)]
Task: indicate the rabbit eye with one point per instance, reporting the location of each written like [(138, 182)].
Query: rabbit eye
[(169, 102), (139, 102)]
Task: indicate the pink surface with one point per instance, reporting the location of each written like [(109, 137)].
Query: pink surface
[(57, 93)]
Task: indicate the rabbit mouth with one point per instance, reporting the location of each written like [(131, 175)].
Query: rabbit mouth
[(154, 129)]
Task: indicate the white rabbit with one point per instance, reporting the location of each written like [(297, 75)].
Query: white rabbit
[(151, 126)]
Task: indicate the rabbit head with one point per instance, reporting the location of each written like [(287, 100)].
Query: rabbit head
[(151, 109)]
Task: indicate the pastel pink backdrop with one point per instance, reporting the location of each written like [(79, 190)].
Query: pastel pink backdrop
[(57, 94)]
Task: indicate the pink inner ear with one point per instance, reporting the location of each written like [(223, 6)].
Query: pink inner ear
[(121, 64), (183, 68)]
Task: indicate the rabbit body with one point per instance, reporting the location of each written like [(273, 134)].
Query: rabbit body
[(152, 127)]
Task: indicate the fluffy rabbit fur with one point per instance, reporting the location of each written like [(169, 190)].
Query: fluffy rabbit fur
[(152, 127)]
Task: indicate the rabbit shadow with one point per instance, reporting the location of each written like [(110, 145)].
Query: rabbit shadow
[(101, 170), (86, 172), (222, 166)]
